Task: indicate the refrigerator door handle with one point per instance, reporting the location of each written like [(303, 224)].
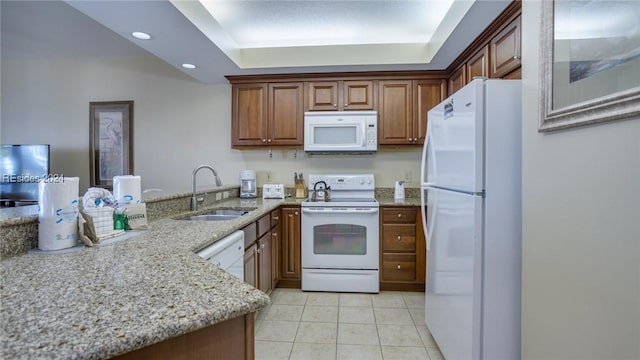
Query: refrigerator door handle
[(427, 156), (428, 229)]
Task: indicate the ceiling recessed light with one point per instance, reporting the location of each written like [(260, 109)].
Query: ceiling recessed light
[(140, 35), (188, 66)]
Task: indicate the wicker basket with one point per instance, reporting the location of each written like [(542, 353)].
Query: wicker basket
[(102, 219)]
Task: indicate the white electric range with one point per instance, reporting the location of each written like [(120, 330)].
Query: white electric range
[(340, 228)]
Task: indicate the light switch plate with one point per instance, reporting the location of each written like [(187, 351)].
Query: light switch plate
[(273, 191)]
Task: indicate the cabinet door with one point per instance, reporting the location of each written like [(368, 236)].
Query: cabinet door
[(275, 248), (427, 94), (264, 262), (290, 241), (358, 95), (395, 108), (457, 80), (249, 114), (286, 114), (478, 64), (505, 50), (322, 96), (251, 266)]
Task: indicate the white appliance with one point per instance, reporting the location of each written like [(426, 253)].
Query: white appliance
[(340, 244), (471, 177), (273, 191), (248, 188), (330, 132), (227, 254)]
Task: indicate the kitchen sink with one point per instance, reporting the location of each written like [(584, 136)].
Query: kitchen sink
[(218, 215)]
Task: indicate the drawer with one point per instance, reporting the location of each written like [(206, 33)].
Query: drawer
[(249, 234), (264, 225), (275, 217), (399, 237), (398, 267), (405, 215)]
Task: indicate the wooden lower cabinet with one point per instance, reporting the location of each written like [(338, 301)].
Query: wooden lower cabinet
[(275, 248), (402, 249), (251, 265), (229, 340), (290, 254)]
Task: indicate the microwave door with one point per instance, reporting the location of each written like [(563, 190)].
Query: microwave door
[(342, 136)]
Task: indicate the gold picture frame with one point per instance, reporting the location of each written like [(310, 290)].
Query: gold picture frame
[(588, 78), (110, 141)]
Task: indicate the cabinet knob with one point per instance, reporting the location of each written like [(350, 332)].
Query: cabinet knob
[(398, 267), (276, 218), (335, 105), (516, 57), (257, 251), (275, 234), (295, 213), (399, 215), (346, 105), (398, 237), (269, 140), (264, 140), (262, 247)]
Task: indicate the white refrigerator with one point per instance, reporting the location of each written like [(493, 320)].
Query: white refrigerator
[(471, 183)]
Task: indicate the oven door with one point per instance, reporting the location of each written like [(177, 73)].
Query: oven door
[(340, 238)]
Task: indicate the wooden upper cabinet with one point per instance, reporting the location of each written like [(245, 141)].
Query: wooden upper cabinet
[(249, 114), (403, 107), (267, 114), (395, 111), (457, 80), (286, 114), (478, 64), (339, 95), (506, 50), (427, 94), (322, 95), (357, 95)]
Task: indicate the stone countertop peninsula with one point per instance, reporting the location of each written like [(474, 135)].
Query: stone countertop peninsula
[(99, 302)]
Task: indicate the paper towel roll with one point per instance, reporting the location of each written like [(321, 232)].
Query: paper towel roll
[(127, 189), (58, 213)]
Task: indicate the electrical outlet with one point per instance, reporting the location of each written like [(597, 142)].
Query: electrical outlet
[(268, 176), (408, 175), (218, 196)]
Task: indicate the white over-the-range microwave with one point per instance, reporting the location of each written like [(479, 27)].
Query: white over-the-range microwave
[(334, 132)]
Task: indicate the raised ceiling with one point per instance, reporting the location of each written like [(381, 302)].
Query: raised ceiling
[(181, 33)]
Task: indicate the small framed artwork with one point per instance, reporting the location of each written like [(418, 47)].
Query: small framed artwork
[(589, 62), (111, 141)]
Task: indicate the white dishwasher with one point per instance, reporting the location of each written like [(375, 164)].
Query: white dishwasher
[(227, 254)]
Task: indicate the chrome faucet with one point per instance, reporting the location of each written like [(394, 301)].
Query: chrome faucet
[(194, 200)]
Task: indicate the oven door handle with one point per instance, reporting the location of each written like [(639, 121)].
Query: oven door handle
[(344, 211)]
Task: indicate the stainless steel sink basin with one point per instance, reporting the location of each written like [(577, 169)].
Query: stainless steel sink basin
[(218, 215)]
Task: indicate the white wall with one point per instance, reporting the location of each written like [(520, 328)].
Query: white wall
[(581, 230), (178, 124)]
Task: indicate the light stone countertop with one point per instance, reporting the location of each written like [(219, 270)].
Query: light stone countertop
[(96, 303)]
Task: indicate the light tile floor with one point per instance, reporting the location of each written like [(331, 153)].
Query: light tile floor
[(336, 326)]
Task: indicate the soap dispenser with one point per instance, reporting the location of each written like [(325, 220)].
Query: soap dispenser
[(398, 194)]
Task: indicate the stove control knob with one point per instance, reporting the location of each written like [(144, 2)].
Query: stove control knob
[(361, 181)]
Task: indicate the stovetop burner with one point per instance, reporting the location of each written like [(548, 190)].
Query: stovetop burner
[(343, 190)]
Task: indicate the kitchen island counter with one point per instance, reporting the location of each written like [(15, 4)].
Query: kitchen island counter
[(99, 302)]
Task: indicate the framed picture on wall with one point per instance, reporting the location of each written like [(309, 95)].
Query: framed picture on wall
[(590, 62), (110, 141)]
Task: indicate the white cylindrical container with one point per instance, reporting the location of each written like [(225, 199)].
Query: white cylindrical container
[(58, 213), (127, 189)]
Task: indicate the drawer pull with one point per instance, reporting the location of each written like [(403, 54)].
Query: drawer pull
[(398, 237), (399, 215), (398, 267), (276, 218)]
